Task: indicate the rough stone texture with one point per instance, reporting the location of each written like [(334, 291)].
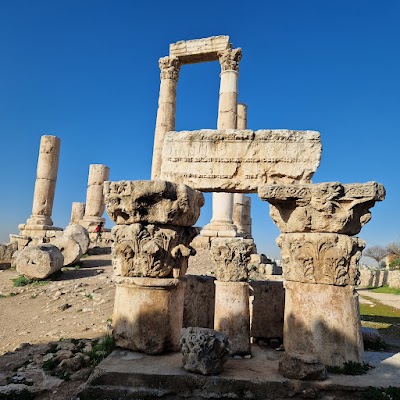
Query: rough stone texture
[(148, 314), (39, 262), (199, 50), (240, 160), (302, 366), (156, 251), (268, 308), (375, 277), (232, 314), (77, 212), (6, 254), (394, 279), (152, 202), (231, 256), (199, 301), (372, 338), (70, 249), (323, 207), (79, 234), (242, 215), (323, 320), (204, 350), (325, 258)]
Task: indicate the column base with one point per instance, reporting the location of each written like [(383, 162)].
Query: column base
[(219, 229), (39, 231)]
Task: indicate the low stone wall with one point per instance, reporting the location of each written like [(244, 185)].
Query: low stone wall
[(394, 279), (378, 278)]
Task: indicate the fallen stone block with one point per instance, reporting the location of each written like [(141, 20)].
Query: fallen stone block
[(39, 262), (70, 249), (79, 234), (301, 366), (6, 254)]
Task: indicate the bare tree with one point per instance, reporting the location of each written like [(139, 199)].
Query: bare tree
[(393, 248), (376, 252)]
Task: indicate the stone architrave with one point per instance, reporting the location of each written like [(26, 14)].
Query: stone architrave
[(204, 350), (152, 202), (77, 212), (166, 112), (148, 314), (240, 161), (320, 265), (150, 253), (322, 207), (46, 176), (94, 208), (39, 262), (232, 312)]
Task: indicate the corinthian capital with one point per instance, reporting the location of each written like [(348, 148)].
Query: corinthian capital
[(169, 67), (229, 59)]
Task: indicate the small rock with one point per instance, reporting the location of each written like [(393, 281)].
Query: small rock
[(64, 307)]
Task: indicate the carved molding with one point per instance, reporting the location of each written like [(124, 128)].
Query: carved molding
[(231, 256), (323, 207), (324, 258), (169, 67), (155, 251), (229, 59)]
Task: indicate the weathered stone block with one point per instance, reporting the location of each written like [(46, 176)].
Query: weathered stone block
[(234, 160), (152, 202), (39, 262), (6, 254), (79, 234), (204, 351), (70, 249), (301, 366)]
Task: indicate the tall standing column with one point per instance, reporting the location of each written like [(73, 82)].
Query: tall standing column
[(166, 113), (94, 209), (45, 185), (221, 223)]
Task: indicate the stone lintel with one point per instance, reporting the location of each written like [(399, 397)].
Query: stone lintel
[(199, 50)]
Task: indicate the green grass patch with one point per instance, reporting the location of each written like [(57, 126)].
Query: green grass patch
[(89, 296), (386, 289), (350, 368), (22, 280), (378, 312), (101, 349), (390, 393)]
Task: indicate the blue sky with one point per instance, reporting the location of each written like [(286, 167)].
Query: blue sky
[(87, 72)]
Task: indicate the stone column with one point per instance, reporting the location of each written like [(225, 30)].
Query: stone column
[(77, 213), (232, 312), (221, 223), (320, 266), (150, 255), (166, 113), (94, 209), (45, 185)]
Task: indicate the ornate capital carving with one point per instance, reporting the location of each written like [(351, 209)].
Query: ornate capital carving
[(231, 256), (320, 258), (229, 59), (169, 67), (323, 207), (155, 251)]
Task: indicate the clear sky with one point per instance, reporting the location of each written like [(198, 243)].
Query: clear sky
[(87, 72)]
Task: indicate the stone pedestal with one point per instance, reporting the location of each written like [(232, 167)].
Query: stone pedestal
[(148, 314), (77, 213), (166, 112), (46, 176), (94, 208), (232, 314)]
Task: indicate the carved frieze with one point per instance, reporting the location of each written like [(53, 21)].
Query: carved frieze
[(323, 258), (323, 207), (229, 59), (155, 251), (169, 67), (153, 202), (231, 256)]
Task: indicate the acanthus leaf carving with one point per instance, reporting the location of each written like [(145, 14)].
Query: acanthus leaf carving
[(169, 67), (229, 59)]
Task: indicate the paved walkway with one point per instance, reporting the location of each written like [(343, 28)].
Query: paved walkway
[(392, 300)]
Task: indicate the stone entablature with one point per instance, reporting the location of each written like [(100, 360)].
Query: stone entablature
[(323, 207), (199, 50), (234, 160)]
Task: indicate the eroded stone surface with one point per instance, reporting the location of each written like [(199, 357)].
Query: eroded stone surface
[(6, 254), (325, 258), (231, 256), (39, 262), (152, 202), (156, 251), (234, 160), (79, 234), (323, 207), (70, 249), (204, 350), (301, 366)]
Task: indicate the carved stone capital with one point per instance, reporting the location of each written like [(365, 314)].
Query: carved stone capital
[(152, 202), (169, 67), (229, 59), (155, 251), (231, 256), (323, 207), (324, 258)]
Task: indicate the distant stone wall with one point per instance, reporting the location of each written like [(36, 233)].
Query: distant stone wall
[(378, 278)]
